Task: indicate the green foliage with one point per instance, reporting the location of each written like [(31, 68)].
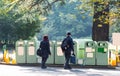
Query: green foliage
[(41, 7), (67, 18), (6, 30), (24, 18), (16, 25), (26, 27)]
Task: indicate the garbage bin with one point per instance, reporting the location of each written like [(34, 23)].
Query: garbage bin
[(81, 50), (90, 47), (59, 55), (51, 57), (31, 51), (20, 51), (102, 53)]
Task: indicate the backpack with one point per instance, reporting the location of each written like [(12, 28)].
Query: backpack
[(64, 45)]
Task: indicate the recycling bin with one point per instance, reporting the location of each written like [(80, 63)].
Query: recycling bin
[(59, 55), (81, 50), (20, 51), (90, 47), (102, 57), (51, 57), (31, 51)]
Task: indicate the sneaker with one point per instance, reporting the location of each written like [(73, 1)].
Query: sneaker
[(44, 67), (68, 67)]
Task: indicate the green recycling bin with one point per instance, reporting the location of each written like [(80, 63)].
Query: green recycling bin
[(102, 53), (90, 47), (31, 51), (20, 51), (81, 50), (59, 55), (51, 57)]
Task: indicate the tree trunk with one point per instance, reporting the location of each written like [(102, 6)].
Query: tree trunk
[(100, 29)]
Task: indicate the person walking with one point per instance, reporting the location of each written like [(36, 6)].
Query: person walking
[(69, 49), (45, 49)]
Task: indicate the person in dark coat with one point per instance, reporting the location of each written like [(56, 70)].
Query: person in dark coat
[(45, 48), (68, 51)]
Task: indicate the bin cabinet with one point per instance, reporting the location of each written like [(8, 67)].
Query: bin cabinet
[(59, 55), (90, 47), (81, 50), (31, 51), (102, 53), (51, 57), (20, 51)]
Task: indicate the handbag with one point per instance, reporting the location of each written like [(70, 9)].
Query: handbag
[(39, 52), (73, 59)]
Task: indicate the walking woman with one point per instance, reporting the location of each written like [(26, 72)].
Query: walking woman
[(45, 48)]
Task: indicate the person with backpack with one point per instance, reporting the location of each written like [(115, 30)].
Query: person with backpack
[(45, 49), (67, 47)]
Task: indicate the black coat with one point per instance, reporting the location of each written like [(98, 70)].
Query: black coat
[(70, 43), (45, 48)]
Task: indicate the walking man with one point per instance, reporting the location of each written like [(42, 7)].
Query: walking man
[(68, 50)]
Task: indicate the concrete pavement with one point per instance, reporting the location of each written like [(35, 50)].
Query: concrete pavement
[(16, 70)]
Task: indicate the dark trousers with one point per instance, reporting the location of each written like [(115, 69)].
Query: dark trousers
[(67, 60), (43, 62)]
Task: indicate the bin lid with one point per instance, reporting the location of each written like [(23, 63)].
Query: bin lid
[(81, 42)]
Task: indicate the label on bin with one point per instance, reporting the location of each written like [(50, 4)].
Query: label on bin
[(59, 51), (80, 61), (88, 49), (20, 50), (90, 55), (31, 51)]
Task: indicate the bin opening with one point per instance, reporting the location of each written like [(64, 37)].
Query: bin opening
[(31, 44), (89, 44), (104, 44), (101, 44), (20, 44)]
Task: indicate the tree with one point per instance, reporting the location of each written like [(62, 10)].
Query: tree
[(100, 30), (16, 23), (102, 17), (27, 15), (67, 18), (25, 28), (35, 8), (41, 7)]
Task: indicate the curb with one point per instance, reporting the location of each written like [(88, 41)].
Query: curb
[(61, 65)]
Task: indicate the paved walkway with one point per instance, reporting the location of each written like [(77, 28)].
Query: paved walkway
[(15, 70)]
